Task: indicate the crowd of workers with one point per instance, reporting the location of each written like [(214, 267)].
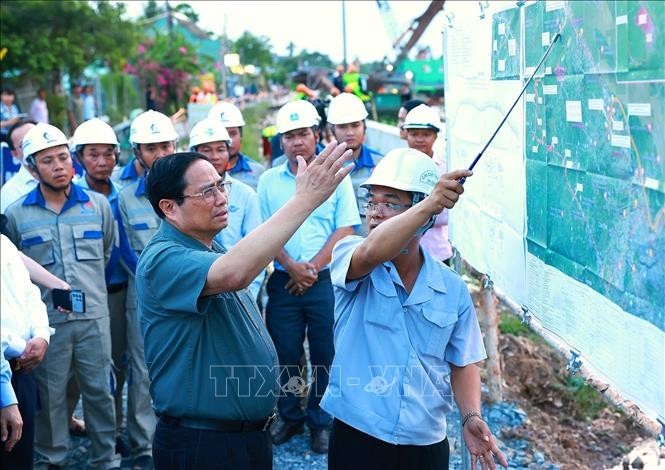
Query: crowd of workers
[(175, 251)]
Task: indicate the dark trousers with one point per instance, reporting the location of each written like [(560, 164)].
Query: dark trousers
[(288, 317), (352, 449), (25, 387), (180, 448)]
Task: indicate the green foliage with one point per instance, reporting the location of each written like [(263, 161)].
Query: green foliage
[(168, 63), (255, 50), (251, 135), (45, 38), (152, 9), (187, 10), (56, 110), (512, 324), (121, 94), (588, 402)]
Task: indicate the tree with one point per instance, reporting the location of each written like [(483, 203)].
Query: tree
[(45, 38), (254, 50), (152, 9), (168, 63), (187, 10)]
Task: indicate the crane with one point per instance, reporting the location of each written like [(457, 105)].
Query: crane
[(414, 31)]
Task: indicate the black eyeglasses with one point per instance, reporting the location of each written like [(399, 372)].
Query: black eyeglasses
[(208, 194)]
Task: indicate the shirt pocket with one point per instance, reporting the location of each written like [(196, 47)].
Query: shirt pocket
[(38, 245), (440, 324), (88, 242), (142, 228)]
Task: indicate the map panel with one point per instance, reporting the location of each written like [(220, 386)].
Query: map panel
[(506, 44), (595, 148), (566, 132), (534, 109), (608, 148), (646, 38), (536, 202), (645, 109)]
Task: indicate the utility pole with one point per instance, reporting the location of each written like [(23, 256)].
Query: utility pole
[(169, 19), (222, 43), (344, 32)]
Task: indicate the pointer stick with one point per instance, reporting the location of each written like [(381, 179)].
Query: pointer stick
[(547, 52)]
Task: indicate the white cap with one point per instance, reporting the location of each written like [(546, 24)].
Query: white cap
[(94, 131), (40, 137), (346, 108), (208, 130), (423, 117), (296, 115), (227, 113), (152, 127), (405, 169)]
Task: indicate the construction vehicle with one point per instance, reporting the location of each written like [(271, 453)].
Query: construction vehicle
[(403, 79)]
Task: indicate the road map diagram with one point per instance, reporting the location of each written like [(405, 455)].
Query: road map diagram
[(595, 144), (587, 176)]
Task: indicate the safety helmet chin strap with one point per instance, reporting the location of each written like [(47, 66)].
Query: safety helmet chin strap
[(30, 160), (78, 153), (416, 198), (137, 155)]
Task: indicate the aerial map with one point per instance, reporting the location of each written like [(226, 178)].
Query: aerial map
[(595, 147)]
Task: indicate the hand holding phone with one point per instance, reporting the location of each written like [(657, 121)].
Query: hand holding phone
[(69, 300)]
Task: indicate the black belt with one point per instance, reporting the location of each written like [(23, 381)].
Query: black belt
[(219, 425), (115, 288)]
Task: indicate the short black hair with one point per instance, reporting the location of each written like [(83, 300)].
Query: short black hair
[(8, 91), (16, 125), (166, 178), (409, 105)]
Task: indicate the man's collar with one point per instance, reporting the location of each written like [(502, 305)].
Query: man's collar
[(76, 195), (241, 165), (174, 233)]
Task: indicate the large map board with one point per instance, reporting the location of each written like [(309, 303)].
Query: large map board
[(590, 262)]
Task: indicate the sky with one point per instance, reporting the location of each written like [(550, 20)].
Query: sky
[(314, 25)]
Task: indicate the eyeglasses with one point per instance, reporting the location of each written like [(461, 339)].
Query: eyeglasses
[(385, 207), (208, 194)]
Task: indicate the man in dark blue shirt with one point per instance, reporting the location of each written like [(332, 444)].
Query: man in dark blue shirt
[(211, 361)]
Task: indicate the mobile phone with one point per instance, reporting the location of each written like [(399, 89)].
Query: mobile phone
[(72, 300)]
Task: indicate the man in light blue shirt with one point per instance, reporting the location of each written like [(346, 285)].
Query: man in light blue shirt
[(300, 297), (406, 334)]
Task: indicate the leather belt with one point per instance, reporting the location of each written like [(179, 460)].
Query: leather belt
[(114, 288), (219, 425)]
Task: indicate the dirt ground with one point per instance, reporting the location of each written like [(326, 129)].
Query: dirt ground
[(558, 423)]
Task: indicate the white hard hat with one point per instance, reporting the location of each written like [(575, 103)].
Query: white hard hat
[(405, 169), (346, 108), (423, 117), (152, 127), (40, 137), (227, 113), (208, 130), (296, 115), (94, 131)]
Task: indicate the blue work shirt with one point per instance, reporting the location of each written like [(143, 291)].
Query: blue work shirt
[(278, 184), (124, 175), (115, 273), (390, 377), (208, 357), (247, 170), (244, 216)]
